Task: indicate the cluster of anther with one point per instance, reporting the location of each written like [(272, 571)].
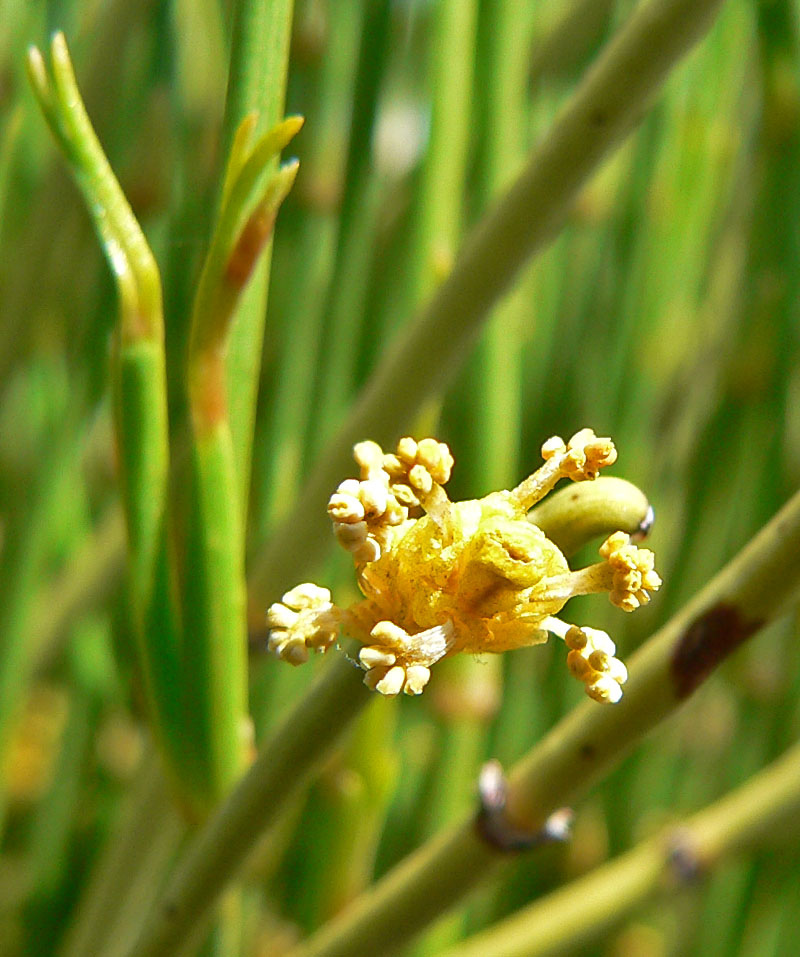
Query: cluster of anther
[(365, 510), (633, 571), (591, 660), (583, 456), (390, 662), (305, 618), (416, 467)]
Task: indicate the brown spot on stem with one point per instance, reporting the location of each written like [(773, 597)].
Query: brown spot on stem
[(706, 643), (251, 241)]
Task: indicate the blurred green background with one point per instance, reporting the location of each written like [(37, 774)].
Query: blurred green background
[(664, 314)]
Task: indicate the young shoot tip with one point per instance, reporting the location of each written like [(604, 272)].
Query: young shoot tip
[(37, 71), (58, 45), (284, 132)]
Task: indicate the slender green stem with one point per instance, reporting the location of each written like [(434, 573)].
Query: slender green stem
[(214, 657), (214, 662), (301, 359), (438, 208), (601, 113), (139, 389), (256, 83), (497, 365), (295, 749), (94, 571), (25, 549), (347, 289), (582, 912), (361, 809), (569, 35), (126, 878), (752, 590)]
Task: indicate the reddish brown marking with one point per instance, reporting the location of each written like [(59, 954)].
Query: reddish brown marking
[(248, 247), (706, 643), (209, 391)]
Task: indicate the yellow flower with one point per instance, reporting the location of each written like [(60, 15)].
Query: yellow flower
[(441, 577)]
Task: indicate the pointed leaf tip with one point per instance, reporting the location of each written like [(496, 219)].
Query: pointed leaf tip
[(58, 46), (37, 71)]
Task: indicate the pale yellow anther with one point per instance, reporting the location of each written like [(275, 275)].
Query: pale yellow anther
[(407, 449), (370, 657), (392, 682), (420, 479), (369, 456), (599, 640), (418, 465), (395, 513), (394, 466), (405, 496), (307, 595), (386, 632), (578, 666), (599, 661), (618, 671), (345, 508), (587, 454), (417, 676), (374, 497), (392, 679), (591, 660), (294, 650), (553, 446), (605, 690), (368, 551), (351, 535), (436, 458), (279, 616)]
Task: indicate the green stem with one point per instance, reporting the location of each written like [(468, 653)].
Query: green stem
[(292, 405), (582, 912), (349, 281), (126, 878), (214, 662), (438, 209), (139, 387), (256, 83), (27, 539), (294, 750), (214, 658), (498, 360), (93, 573), (602, 112)]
